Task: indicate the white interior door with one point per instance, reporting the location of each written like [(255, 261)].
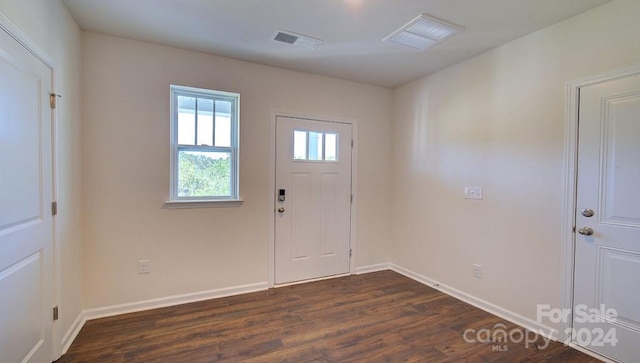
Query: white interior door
[(607, 259), (313, 199), (25, 206)]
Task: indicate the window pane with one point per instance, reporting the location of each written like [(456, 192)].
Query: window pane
[(205, 121), (204, 125), (330, 145), (204, 174), (223, 131), (186, 120), (315, 145), (300, 145), (223, 123)]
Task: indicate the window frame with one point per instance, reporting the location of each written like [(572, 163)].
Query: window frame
[(176, 201)]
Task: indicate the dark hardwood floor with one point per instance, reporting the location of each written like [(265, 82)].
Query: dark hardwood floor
[(376, 317)]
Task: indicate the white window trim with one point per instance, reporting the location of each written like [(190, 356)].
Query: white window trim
[(176, 202), (189, 204)]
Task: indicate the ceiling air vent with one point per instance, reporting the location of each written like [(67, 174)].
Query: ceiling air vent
[(295, 39), (423, 32), (285, 38)]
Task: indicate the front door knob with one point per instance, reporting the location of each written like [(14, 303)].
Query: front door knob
[(585, 231)]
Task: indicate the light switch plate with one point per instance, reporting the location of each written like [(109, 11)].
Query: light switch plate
[(473, 192)]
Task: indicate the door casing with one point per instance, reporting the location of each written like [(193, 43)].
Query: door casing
[(570, 180), (272, 184)]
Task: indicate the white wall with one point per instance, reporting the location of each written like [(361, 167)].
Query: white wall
[(48, 24), (497, 121), (126, 169)]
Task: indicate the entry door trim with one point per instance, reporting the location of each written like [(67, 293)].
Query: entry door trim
[(272, 184), (570, 180), (24, 40)]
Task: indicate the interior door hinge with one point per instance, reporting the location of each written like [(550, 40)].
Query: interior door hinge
[(351, 198), (352, 143), (54, 208), (52, 100), (55, 313), (350, 252)]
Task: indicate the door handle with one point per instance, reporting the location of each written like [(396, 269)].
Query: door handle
[(585, 231), (281, 210)]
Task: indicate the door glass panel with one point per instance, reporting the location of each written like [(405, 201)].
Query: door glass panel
[(300, 145), (331, 147), (315, 145)]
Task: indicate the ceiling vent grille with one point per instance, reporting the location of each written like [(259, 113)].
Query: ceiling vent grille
[(285, 38), (295, 39), (423, 32)]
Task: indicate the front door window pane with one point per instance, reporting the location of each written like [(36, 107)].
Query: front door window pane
[(300, 145), (315, 145), (330, 147)]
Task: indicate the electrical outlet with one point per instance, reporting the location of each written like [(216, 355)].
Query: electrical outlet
[(144, 266), (477, 271)]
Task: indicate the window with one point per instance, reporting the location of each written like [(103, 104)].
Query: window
[(204, 145), (315, 146)]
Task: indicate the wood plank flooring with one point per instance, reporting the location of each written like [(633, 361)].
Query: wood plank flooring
[(376, 317)]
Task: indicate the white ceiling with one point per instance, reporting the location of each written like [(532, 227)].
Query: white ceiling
[(352, 30)]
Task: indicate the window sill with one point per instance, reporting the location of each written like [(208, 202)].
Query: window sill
[(190, 204)]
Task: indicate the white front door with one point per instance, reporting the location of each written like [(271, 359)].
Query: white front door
[(25, 206), (607, 251), (313, 199)]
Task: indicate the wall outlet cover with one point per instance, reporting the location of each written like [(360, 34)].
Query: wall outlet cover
[(477, 271), (473, 192), (144, 266)]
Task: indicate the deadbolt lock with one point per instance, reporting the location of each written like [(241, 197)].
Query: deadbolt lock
[(587, 212)]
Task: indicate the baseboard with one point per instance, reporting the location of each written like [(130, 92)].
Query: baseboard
[(373, 268), (172, 300), (73, 331), (591, 353), (515, 318)]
